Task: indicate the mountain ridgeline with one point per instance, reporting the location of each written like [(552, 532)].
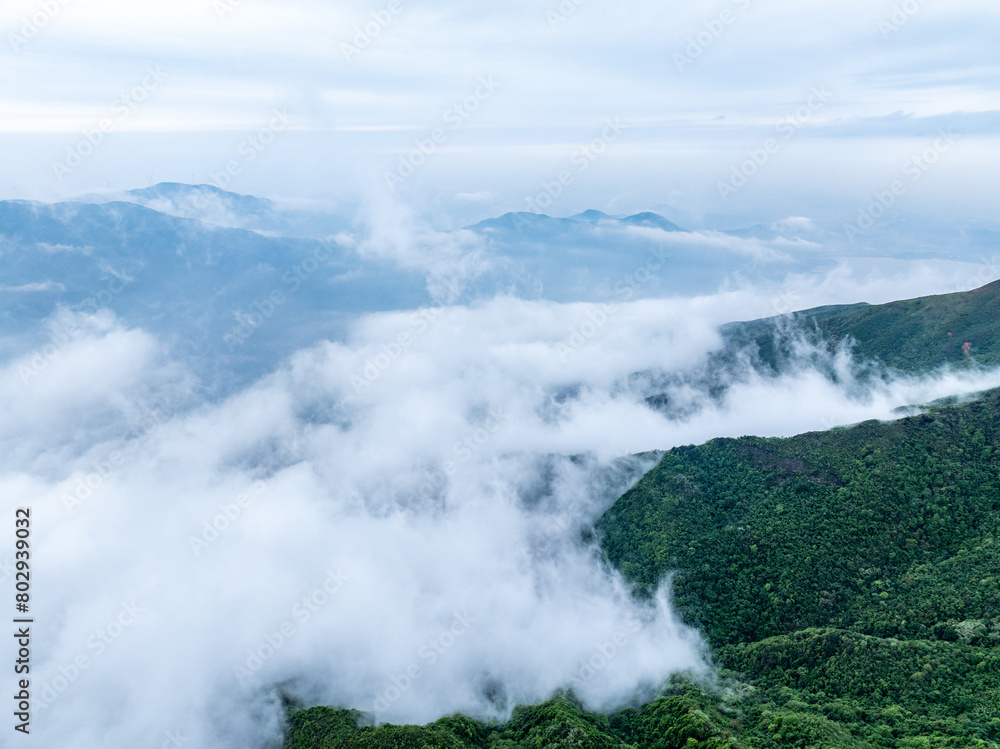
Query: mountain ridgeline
[(848, 581), (882, 341), (236, 284), (911, 335)]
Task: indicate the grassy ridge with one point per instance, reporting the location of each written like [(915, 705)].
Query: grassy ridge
[(909, 335)]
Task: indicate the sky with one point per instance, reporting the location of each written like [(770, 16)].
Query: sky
[(518, 94), (389, 518)]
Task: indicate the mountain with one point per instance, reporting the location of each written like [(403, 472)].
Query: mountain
[(540, 223), (653, 220), (858, 566), (205, 289), (910, 335), (848, 581), (211, 205), (592, 256), (194, 265), (884, 341)]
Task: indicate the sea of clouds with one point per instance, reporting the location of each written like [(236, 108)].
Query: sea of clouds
[(394, 522)]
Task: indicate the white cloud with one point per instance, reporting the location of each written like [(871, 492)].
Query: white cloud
[(440, 488), (758, 249), (32, 287), (558, 83)]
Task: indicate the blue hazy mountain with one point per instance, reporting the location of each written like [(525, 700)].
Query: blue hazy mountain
[(211, 205), (198, 266), (539, 224), (594, 256), (199, 286)]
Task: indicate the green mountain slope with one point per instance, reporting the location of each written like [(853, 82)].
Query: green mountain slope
[(825, 529), (850, 572), (684, 716), (909, 335), (848, 581)]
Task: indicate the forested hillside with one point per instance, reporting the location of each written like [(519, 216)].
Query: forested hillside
[(855, 568), (847, 581), (849, 528)]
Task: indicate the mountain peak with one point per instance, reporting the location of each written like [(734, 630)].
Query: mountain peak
[(179, 193), (592, 215), (648, 218)]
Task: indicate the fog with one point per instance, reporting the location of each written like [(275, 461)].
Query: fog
[(392, 523)]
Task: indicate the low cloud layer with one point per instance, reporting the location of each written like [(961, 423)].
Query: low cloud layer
[(390, 523)]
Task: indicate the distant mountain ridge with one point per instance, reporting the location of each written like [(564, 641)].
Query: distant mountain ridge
[(198, 259), (194, 284), (521, 221), (212, 205)]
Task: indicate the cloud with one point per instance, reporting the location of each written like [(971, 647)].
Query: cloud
[(559, 83), (387, 523), (450, 261), (758, 249), (38, 286), (795, 223), (911, 125), (482, 196)]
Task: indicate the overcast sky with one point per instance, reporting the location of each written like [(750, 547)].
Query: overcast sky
[(435, 480), (693, 85)]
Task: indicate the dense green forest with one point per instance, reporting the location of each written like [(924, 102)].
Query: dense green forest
[(847, 581), (847, 573)]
